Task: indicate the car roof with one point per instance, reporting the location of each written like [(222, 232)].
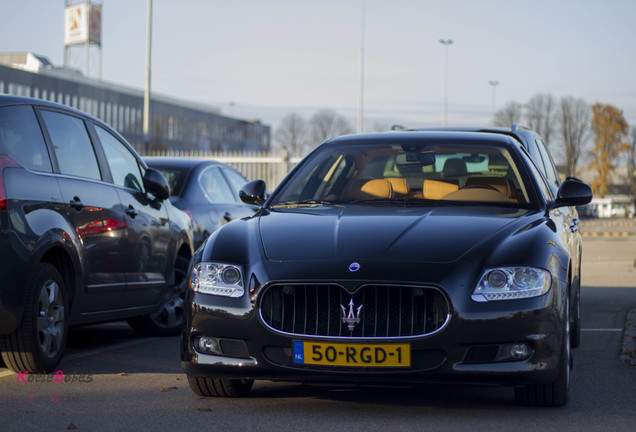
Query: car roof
[(179, 162), (6, 100), (517, 131), (435, 134)]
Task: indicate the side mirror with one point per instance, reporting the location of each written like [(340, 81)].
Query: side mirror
[(572, 192), (254, 192), (156, 184)]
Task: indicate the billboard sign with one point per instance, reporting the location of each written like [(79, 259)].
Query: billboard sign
[(82, 24)]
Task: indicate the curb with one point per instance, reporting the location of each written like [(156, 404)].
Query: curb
[(628, 349)]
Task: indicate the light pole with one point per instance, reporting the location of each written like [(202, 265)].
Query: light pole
[(361, 76), (146, 120), (494, 85), (446, 43)]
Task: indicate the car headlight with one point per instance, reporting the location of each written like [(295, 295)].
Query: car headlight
[(218, 279), (511, 283)]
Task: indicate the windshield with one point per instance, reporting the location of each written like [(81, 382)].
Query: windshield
[(443, 172)]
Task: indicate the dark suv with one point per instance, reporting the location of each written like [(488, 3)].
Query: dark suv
[(86, 234)]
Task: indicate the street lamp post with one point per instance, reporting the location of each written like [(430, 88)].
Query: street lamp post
[(446, 43), (494, 85), (146, 119), (361, 76)]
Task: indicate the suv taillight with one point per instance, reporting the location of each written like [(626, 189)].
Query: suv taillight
[(5, 161)]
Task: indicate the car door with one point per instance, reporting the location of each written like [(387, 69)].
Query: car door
[(93, 207), (147, 222)]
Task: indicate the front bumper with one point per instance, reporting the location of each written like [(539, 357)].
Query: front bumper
[(468, 349)]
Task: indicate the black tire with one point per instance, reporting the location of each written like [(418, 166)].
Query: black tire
[(575, 320), (36, 346), (214, 387), (167, 320), (554, 394)]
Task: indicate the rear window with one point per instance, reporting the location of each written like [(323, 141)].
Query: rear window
[(21, 138)]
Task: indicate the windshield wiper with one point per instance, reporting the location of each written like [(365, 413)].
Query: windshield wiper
[(301, 203)]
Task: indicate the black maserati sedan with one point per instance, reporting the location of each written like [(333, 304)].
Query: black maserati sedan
[(207, 190), (394, 258)]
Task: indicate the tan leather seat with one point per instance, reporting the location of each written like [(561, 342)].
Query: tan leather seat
[(376, 188), (399, 185), (436, 189)]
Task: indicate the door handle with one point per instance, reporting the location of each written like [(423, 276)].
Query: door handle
[(77, 204), (130, 211), (227, 217)]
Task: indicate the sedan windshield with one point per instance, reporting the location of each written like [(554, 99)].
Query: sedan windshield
[(415, 173)]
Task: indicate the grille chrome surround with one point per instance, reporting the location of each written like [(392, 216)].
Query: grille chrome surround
[(389, 311)]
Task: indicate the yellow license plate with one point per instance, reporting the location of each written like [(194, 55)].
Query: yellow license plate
[(353, 355)]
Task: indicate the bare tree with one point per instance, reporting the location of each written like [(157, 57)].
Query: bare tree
[(541, 115), (509, 114), (292, 134), (327, 124), (573, 118)]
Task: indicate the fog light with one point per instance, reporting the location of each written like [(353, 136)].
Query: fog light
[(519, 351), (207, 345)]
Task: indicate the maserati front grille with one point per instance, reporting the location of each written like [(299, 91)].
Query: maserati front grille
[(372, 311)]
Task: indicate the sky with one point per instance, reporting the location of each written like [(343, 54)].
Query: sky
[(263, 59)]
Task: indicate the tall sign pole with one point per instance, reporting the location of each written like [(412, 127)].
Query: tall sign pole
[(146, 125), (446, 43), (361, 90), (82, 26)]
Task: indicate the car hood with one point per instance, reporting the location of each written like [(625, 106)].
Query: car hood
[(440, 234)]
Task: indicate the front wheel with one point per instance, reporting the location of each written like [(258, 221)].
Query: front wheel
[(215, 387), (575, 321), (554, 394), (166, 321), (36, 346)]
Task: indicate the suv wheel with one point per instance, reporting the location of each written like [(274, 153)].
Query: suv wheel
[(166, 321), (37, 344)]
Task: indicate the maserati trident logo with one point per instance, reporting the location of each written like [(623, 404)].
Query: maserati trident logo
[(351, 318), (354, 267)]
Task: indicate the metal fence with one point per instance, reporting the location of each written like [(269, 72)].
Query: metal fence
[(255, 166)]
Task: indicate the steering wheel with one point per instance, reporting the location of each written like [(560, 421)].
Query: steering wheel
[(481, 186)]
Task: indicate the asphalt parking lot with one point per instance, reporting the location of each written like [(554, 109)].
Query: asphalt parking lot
[(116, 380), (609, 257)]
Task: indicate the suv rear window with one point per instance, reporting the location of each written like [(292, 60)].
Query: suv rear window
[(21, 138)]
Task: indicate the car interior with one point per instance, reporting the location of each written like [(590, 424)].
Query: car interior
[(450, 173)]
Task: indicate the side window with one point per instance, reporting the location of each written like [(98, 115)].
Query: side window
[(236, 180), (72, 145), (123, 164), (551, 173), (215, 187), (21, 138)]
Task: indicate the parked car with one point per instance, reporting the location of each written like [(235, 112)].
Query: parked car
[(531, 141), (401, 258), (208, 191), (87, 234)]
